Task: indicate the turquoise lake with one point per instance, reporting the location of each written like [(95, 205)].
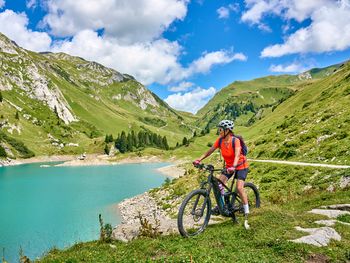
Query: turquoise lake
[(42, 208)]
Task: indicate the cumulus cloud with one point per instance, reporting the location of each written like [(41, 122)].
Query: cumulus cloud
[(14, 25), (204, 63), (130, 21), (183, 86), (223, 12), (31, 3), (191, 101), (329, 29), (130, 44), (148, 62), (291, 68)]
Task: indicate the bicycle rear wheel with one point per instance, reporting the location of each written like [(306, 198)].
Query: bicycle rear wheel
[(253, 196), (194, 213)]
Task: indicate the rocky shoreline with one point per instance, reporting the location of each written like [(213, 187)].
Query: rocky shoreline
[(147, 207)]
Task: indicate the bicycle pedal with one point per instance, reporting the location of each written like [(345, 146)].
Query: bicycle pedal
[(215, 211)]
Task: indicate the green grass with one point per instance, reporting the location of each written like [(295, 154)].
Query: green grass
[(267, 241), (87, 89), (285, 203)]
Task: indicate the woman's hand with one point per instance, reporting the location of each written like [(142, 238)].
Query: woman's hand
[(196, 162), (231, 169)]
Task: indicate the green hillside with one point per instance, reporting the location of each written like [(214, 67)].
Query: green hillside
[(59, 104), (249, 101), (311, 125), (272, 226)]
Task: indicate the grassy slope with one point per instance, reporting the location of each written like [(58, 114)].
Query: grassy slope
[(285, 200), (312, 125), (267, 241), (85, 87)]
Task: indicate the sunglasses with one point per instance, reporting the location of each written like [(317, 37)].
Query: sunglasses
[(221, 129)]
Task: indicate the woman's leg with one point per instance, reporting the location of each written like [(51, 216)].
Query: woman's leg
[(241, 192)]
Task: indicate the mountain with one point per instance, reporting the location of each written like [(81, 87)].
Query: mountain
[(313, 124), (300, 117), (56, 103), (248, 101)]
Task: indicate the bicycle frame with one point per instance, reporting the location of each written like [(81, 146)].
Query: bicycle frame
[(213, 184)]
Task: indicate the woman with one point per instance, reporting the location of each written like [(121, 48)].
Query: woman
[(236, 162)]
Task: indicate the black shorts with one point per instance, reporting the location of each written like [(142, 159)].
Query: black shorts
[(239, 174)]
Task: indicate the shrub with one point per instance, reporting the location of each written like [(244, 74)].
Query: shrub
[(306, 104), (147, 229), (167, 181), (18, 145), (2, 152), (105, 231)]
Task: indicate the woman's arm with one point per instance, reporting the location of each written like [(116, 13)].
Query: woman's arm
[(208, 153)]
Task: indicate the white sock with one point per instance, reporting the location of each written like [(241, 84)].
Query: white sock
[(246, 209)]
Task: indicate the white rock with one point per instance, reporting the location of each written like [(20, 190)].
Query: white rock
[(307, 187), (319, 237), (73, 144), (344, 182), (330, 222), (330, 213), (338, 206), (330, 188)]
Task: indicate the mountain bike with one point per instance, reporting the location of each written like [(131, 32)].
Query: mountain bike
[(195, 211)]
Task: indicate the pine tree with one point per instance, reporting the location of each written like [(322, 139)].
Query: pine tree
[(106, 138), (184, 141), (194, 134), (1, 97), (56, 112), (106, 149), (141, 139), (134, 139), (17, 115), (165, 143), (2, 152), (122, 143), (147, 139), (154, 139), (160, 142), (129, 143)]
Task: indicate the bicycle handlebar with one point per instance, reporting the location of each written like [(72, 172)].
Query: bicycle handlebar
[(207, 167)]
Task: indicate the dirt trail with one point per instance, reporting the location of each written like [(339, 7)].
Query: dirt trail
[(302, 164)]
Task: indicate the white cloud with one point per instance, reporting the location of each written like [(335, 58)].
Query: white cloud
[(234, 7), (31, 3), (291, 68), (205, 63), (2, 3), (14, 25), (191, 101), (129, 21), (223, 12), (329, 29), (155, 61), (183, 86), (149, 57)]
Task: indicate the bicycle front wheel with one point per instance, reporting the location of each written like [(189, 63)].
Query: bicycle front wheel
[(194, 213)]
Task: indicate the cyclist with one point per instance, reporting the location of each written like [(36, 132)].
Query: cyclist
[(236, 163)]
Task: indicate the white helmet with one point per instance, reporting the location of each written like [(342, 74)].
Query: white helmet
[(226, 124)]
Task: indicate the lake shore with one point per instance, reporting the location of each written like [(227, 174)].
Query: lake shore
[(172, 170)]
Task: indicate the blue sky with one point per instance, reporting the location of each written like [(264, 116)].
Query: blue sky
[(185, 51)]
